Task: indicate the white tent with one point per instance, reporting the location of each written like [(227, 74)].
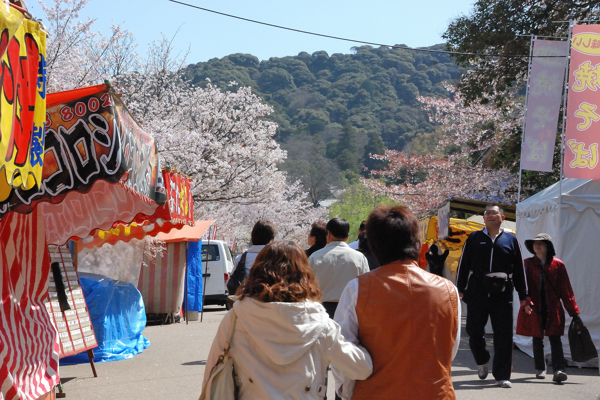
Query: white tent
[(573, 221)]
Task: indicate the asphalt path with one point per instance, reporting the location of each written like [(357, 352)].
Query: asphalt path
[(173, 367)]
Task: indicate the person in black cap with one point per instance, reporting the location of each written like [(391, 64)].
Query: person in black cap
[(548, 285)]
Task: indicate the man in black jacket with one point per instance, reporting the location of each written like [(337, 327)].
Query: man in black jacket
[(490, 265)]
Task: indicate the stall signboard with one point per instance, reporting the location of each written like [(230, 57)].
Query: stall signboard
[(443, 221), (22, 103), (90, 136), (73, 323)]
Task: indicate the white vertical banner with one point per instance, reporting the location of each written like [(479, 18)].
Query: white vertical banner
[(443, 221), (543, 103)]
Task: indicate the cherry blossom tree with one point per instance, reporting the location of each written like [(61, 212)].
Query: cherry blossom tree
[(221, 139), (464, 164), (289, 211), (76, 56)]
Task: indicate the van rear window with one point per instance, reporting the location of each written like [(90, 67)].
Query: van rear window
[(210, 252)]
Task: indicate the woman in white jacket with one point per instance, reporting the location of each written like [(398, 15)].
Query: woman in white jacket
[(283, 339)]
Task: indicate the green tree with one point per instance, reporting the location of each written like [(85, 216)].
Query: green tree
[(355, 204), (502, 28)]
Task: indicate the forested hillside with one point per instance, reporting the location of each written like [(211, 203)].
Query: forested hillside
[(334, 110)]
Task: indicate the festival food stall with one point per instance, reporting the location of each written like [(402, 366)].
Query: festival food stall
[(97, 168), (162, 277)]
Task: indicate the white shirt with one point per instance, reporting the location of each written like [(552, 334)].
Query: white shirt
[(250, 258), (335, 265), (345, 315)]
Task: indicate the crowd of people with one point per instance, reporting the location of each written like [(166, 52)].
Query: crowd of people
[(387, 327)]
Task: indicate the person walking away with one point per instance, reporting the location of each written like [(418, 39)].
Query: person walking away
[(263, 232), (549, 284), (283, 339), (336, 264), (435, 260), (317, 237), (490, 266), (363, 247), (361, 229), (407, 318)]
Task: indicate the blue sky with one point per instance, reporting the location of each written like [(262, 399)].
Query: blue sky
[(415, 23)]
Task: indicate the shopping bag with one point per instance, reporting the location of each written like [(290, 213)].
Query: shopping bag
[(221, 384), (580, 341)]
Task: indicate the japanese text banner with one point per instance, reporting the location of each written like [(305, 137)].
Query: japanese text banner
[(543, 104), (583, 98), (91, 137), (22, 102)]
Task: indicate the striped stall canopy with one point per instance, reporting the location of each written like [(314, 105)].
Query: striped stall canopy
[(161, 280), (28, 340)]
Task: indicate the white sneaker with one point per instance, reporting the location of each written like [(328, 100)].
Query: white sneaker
[(482, 371), (540, 374), (504, 384)]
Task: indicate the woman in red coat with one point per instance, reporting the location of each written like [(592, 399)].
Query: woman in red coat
[(548, 284)]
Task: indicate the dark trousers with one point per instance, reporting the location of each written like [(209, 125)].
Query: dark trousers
[(558, 358), (500, 311), (330, 307)]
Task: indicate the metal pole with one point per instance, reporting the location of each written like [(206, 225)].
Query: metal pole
[(562, 140), (187, 300), (204, 275), (533, 38)]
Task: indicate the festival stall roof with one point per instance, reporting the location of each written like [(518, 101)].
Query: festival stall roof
[(478, 207), (570, 213), (187, 233), (174, 214)]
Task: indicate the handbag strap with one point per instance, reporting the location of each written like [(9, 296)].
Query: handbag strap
[(229, 336)]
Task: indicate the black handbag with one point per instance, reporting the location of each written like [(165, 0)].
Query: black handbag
[(238, 276), (580, 341)]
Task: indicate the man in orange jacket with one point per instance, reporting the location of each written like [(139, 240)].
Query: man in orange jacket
[(407, 318)]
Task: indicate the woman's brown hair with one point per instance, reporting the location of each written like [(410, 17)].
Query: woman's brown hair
[(281, 274)]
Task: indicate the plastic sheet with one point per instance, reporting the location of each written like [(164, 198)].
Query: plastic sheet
[(194, 276), (118, 316)]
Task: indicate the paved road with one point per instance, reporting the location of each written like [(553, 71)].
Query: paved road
[(173, 366)]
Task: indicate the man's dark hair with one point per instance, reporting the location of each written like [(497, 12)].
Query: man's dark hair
[(338, 227), (394, 234), (362, 226), (318, 230), (263, 232)]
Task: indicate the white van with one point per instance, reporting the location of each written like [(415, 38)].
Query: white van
[(217, 265)]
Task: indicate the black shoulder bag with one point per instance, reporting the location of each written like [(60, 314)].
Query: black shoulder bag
[(238, 276), (582, 347)]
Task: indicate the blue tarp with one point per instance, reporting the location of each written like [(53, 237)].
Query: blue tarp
[(194, 276), (118, 316)]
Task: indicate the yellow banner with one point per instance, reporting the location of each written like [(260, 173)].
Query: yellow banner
[(22, 102)]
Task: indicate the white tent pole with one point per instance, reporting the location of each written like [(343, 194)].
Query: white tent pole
[(562, 140), (533, 38)]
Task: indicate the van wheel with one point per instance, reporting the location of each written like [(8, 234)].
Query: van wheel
[(228, 304)]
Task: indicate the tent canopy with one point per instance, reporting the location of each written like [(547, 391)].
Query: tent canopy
[(570, 214), (187, 233)]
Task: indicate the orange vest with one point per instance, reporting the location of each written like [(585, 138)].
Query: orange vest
[(407, 320)]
